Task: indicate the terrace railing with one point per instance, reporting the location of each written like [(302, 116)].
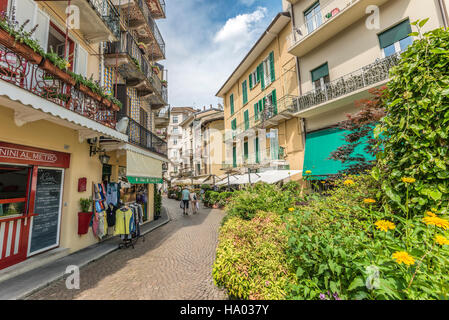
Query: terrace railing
[(153, 26), (109, 14), (17, 70), (362, 78), (141, 136)]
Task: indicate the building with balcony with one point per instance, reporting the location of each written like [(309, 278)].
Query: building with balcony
[(261, 130), (65, 138), (342, 49), (175, 134)]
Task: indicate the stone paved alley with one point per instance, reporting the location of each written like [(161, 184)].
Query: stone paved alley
[(174, 262)]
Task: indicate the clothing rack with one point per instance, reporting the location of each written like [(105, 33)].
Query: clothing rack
[(135, 236)]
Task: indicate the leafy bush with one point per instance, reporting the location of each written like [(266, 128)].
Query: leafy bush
[(348, 245), (251, 260), (416, 127), (262, 197)]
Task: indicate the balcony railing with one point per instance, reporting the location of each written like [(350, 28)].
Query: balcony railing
[(141, 136), (367, 76), (17, 70), (109, 14), (153, 26), (319, 18), (128, 45)]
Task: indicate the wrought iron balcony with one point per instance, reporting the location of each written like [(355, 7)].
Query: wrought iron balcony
[(109, 13), (17, 70), (157, 8), (142, 137), (134, 66), (367, 76)]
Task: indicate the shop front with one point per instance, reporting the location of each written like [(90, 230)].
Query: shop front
[(31, 191)]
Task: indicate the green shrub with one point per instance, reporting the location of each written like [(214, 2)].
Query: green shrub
[(416, 127), (251, 260)]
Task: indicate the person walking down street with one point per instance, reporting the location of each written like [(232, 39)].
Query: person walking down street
[(194, 200), (202, 192), (185, 200)]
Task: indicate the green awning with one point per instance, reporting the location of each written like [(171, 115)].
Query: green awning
[(144, 180), (395, 34), (320, 72), (320, 145)]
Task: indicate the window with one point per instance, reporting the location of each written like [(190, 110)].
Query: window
[(175, 130), (266, 71), (234, 124), (246, 117), (313, 17), (396, 39), (245, 151), (320, 77), (253, 79), (270, 105), (175, 142), (13, 190), (175, 119), (245, 92)]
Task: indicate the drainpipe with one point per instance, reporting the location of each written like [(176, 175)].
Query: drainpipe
[(444, 13)]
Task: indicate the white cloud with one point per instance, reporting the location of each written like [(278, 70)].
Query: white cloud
[(248, 2), (202, 54), (238, 31)]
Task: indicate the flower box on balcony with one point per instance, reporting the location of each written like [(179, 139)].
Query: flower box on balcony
[(50, 68), (106, 102), (164, 83), (23, 49)]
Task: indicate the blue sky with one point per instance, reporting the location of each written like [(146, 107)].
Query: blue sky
[(206, 40)]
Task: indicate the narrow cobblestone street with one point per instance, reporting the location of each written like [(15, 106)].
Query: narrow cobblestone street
[(174, 262)]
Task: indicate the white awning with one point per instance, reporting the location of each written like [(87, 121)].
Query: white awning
[(271, 176), (138, 165)]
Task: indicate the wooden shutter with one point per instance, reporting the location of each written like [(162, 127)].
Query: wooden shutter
[(275, 103), (41, 34), (246, 117), (251, 81), (256, 145), (261, 77), (245, 150), (231, 98), (245, 92), (320, 72), (26, 10), (81, 58), (273, 77), (234, 156), (234, 124), (123, 98), (256, 111)]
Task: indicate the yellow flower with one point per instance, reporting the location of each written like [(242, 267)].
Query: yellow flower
[(291, 209), (68, 65), (349, 182), (435, 221), (408, 180), (430, 214), (441, 240), (385, 225), (403, 257), (308, 172), (369, 200), (434, 210)]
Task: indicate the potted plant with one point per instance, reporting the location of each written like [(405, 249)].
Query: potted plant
[(142, 47), (164, 83), (155, 69), (85, 215)]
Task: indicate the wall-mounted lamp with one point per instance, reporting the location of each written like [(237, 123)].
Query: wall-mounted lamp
[(104, 159)]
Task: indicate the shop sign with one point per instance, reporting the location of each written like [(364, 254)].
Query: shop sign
[(13, 153), (144, 180)]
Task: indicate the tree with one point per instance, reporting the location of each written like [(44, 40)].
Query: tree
[(360, 128)]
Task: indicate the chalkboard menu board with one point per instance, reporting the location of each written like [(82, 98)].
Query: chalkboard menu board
[(47, 207)]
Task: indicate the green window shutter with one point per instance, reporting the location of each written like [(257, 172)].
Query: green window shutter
[(256, 142), (320, 72), (395, 34), (251, 81), (256, 111), (234, 157), (275, 102), (245, 92), (231, 98), (245, 150), (246, 116), (234, 124), (261, 75), (260, 106), (258, 73), (273, 77)]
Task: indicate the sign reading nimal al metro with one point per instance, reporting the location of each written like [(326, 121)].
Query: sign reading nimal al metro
[(34, 156)]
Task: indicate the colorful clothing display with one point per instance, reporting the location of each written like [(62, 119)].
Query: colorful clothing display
[(124, 221)]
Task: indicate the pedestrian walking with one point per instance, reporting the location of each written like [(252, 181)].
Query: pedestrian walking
[(185, 200), (194, 201)]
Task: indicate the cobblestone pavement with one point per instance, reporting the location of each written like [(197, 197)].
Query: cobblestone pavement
[(174, 262)]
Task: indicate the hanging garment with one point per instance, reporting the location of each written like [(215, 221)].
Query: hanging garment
[(95, 224), (124, 221), (112, 194), (140, 210), (101, 223), (110, 217)]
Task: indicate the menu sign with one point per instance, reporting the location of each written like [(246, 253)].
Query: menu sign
[(13, 153), (47, 207)]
